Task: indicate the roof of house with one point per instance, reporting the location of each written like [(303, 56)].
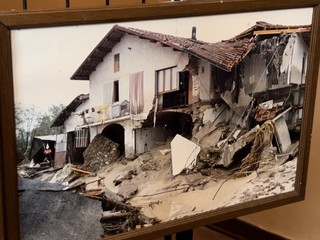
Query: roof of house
[(224, 54), (59, 121), (264, 28)]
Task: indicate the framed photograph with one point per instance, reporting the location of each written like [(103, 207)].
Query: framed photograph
[(154, 119)]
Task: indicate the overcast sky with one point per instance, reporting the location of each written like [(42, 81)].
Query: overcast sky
[(44, 59)]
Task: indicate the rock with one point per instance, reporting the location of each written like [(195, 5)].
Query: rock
[(127, 190), (126, 174), (165, 151), (145, 157), (100, 152), (108, 194)]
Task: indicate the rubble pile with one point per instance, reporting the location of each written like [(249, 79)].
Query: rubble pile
[(100, 153), (118, 217)]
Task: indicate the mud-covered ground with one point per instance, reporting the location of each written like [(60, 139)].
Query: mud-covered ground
[(47, 213)]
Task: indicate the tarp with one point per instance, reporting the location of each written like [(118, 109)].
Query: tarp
[(38, 146)]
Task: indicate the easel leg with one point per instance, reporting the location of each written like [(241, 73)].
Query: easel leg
[(186, 235), (168, 237)]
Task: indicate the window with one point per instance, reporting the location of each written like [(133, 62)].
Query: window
[(167, 80), (117, 62), (81, 138), (110, 92), (115, 97), (303, 69)]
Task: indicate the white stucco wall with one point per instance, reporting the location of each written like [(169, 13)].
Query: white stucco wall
[(147, 138), (135, 55), (300, 49), (254, 75), (75, 120), (206, 85), (292, 61)]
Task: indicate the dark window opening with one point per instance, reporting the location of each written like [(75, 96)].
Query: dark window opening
[(181, 96), (304, 66), (25, 5), (240, 155), (174, 122), (77, 143), (115, 91), (107, 2), (67, 3), (117, 62)]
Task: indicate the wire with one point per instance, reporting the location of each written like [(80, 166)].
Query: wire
[(254, 91)]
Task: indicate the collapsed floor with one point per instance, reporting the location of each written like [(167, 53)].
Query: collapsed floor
[(144, 191)]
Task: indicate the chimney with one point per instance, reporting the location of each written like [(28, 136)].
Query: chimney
[(194, 33)]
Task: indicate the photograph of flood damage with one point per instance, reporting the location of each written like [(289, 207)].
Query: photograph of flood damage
[(171, 124)]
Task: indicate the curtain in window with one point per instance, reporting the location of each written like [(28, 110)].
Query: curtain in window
[(136, 93), (108, 93), (107, 97)]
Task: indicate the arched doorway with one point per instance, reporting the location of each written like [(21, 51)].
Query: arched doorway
[(115, 132)]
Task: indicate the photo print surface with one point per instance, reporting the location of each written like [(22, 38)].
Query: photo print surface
[(128, 125)]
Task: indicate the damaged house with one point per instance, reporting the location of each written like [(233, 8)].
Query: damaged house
[(146, 87)]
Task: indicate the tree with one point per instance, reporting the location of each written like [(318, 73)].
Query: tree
[(46, 119), (26, 119), (30, 123)]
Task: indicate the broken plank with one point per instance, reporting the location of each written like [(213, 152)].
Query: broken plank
[(80, 171), (108, 215), (280, 31)]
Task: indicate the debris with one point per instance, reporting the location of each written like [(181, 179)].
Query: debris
[(80, 171), (228, 150), (100, 153), (127, 190), (63, 175), (108, 194), (262, 140), (206, 129), (93, 183), (94, 193), (151, 165), (145, 157), (184, 154), (240, 106), (127, 174), (281, 132), (268, 110), (165, 151), (119, 217)]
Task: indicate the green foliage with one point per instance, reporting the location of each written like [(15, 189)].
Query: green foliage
[(30, 123)]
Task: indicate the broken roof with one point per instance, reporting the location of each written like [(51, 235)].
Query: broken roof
[(264, 28), (69, 109), (223, 54)]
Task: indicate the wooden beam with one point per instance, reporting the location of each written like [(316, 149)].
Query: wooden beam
[(8, 162), (105, 50), (85, 68), (95, 59), (280, 31)]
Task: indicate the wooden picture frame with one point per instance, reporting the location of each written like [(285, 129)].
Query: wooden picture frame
[(9, 213)]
